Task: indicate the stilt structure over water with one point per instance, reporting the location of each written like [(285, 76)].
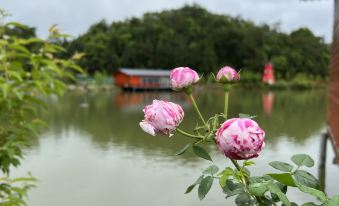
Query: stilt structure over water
[(333, 87), (142, 79)]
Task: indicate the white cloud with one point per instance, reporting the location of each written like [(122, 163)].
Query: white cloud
[(75, 16)]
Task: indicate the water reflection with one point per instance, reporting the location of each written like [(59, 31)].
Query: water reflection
[(113, 117), (135, 101), (267, 102), (102, 145)]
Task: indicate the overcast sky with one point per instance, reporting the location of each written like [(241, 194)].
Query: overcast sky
[(75, 16)]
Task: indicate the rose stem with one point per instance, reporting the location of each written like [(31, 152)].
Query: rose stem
[(197, 110), (188, 134), (227, 88), (226, 104)]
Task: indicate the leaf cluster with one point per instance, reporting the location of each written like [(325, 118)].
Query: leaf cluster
[(269, 189), (31, 70)]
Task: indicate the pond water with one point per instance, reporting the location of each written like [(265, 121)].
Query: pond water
[(94, 152)]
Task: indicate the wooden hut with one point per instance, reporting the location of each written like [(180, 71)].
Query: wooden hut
[(333, 87), (142, 79)]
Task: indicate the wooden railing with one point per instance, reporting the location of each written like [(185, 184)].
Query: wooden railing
[(333, 87)]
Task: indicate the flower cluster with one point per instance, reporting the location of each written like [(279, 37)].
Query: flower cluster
[(237, 138)]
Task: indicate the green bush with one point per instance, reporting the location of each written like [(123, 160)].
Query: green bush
[(30, 71), (302, 81), (250, 77)]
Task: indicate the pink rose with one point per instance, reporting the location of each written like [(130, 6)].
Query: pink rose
[(240, 138), (161, 117), (227, 74), (183, 77)]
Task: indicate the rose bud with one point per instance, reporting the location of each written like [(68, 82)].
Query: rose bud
[(161, 117), (227, 75), (240, 138), (182, 77)]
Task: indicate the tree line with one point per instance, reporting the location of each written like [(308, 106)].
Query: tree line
[(192, 36)]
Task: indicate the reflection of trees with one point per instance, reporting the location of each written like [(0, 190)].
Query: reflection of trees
[(296, 114), (109, 123)]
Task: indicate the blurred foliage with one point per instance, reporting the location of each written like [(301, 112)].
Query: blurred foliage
[(194, 37), (13, 192), (30, 70), (99, 78)]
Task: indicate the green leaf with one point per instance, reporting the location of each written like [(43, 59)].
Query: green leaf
[(276, 190), (29, 41), (15, 75), (213, 76), (303, 159), (305, 178), (232, 188), (16, 24), (246, 172), (199, 180), (257, 189), (309, 204), (36, 100), (211, 170), (204, 187), (242, 199), (201, 152), (191, 187), (76, 68), (215, 122), (334, 201), (256, 179), (248, 163), (282, 166), (39, 122), (183, 150), (284, 178), (5, 88), (314, 192), (224, 175), (24, 179), (241, 115), (283, 189)]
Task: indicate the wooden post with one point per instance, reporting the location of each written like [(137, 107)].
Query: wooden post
[(333, 86)]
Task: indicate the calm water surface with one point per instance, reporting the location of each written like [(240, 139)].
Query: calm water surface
[(94, 152)]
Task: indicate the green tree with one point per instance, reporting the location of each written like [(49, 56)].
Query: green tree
[(192, 36), (30, 71)]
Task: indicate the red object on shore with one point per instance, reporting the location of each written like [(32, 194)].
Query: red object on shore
[(268, 76)]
